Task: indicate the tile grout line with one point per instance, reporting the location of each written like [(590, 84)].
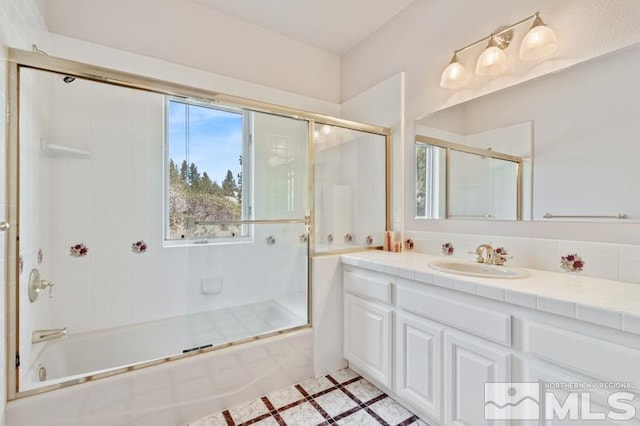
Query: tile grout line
[(273, 411), (227, 417), (311, 399)]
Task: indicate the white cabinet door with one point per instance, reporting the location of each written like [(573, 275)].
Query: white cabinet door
[(469, 364), (568, 398), (419, 364), (367, 337)]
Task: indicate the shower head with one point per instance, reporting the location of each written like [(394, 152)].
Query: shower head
[(68, 79)]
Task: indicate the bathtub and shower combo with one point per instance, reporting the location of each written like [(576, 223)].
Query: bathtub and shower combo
[(153, 221)]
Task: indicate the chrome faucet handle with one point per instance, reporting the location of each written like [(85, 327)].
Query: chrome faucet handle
[(49, 284), (36, 285)]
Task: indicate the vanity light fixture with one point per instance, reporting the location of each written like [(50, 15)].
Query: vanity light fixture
[(539, 42)]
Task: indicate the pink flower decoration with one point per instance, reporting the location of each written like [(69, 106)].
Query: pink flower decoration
[(409, 244), (78, 250), (139, 247), (447, 249), (572, 263)]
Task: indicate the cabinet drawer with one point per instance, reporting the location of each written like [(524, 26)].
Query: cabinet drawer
[(368, 284), (492, 325), (585, 354)]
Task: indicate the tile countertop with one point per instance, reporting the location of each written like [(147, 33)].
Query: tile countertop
[(604, 302)]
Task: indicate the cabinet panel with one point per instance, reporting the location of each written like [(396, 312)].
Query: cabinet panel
[(482, 322), (368, 284), (579, 407), (469, 364), (583, 353), (367, 337), (419, 364)]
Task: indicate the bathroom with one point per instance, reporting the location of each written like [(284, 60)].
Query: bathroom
[(356, 77)]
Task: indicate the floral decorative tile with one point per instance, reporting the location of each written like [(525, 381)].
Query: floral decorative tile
[(572, 262), (447, 249), (139, 247), (78, 250)]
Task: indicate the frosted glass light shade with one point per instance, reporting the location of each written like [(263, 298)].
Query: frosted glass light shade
[(539, 42), (453, 76), (493, 61)]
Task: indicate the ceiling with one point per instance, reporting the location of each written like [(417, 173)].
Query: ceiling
[(333, 25)]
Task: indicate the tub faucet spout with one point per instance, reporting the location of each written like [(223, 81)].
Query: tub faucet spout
[(43, 335)]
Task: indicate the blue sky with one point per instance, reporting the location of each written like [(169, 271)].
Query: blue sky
[(214, 139)]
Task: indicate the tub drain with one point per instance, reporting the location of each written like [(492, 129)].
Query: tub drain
[(42, 373)]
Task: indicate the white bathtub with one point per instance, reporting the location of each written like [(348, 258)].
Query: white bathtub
[(98, 352), (176, 392)]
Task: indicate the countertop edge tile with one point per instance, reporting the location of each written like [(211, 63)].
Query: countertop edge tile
[(490, 292), (520, 298), (556, 306), (631, 322), (465, 286), (599, 316)]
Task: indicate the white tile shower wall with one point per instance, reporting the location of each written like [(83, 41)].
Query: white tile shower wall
[(115, 197), (608, 261)]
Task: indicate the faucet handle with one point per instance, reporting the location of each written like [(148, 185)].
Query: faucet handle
[(49, 284)]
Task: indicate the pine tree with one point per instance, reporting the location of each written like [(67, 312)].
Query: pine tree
[(184, 171), (229, 186)]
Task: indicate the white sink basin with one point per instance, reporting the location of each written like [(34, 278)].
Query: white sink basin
[(475, 269)]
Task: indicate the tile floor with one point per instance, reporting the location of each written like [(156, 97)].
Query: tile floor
[(340, 398)]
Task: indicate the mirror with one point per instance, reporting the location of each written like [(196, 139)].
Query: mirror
[(455, 181), (580, 160)]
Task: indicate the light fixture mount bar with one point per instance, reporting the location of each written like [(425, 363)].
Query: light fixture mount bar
[(498, 33)]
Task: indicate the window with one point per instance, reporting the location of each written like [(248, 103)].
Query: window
[(207, 167)]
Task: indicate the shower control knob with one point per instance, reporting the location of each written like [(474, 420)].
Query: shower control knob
[(36, 285), (4, 226)]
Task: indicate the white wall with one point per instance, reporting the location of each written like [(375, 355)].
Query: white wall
[(413, 42), (187, 33)]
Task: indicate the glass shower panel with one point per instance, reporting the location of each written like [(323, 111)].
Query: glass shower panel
[(245, 290), (160, 239), (256, 282), (349, 188), (280, 167)]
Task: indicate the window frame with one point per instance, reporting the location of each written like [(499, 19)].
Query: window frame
[(247, 176)]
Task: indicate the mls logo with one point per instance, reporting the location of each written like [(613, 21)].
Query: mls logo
[(512, 401)]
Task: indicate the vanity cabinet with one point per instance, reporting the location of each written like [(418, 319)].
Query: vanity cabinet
[(434, 347), (419, 364), (434, 360), (367, 324), (469, 364)]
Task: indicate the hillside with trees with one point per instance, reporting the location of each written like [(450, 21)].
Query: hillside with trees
[(195, 197)]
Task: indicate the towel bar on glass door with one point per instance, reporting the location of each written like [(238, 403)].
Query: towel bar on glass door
[(583, 216)]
